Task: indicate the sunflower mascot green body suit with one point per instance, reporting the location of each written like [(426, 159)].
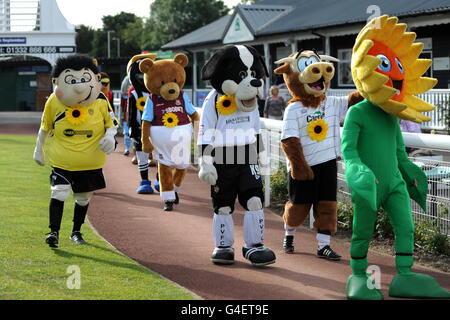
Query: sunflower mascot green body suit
[(387, 72)]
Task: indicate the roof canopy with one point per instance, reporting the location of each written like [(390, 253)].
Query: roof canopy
[(274, 17)]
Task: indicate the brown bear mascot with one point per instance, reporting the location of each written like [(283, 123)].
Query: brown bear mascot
[(311, 143), (167, 123)]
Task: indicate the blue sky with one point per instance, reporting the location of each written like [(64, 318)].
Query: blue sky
[(90, 12)]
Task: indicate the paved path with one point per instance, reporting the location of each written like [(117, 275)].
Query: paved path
[(178, 244)]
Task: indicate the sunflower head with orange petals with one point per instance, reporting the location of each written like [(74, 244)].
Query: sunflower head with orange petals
[(387, 71)]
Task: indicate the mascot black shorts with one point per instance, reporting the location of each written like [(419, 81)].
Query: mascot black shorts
[(81, 181), (322, 188), (236, 180)]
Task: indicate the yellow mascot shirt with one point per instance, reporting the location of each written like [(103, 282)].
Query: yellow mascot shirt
[(75, 147)]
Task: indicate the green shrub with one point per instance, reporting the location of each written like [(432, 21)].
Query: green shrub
[(427, 234), (279, 185), (383, 227), (345, 214), (443, 109), (429, 237)]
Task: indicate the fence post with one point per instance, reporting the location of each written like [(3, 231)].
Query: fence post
[(266, 170)]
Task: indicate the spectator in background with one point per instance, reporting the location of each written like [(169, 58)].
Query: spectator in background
[(106, 88), (126, 84), (275, 105), (409, 126)]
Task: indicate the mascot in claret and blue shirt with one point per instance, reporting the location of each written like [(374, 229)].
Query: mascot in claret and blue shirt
[(167, 123), (81, 125), (229, 142)]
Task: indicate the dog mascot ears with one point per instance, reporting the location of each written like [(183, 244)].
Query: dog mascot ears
[(238, 71)]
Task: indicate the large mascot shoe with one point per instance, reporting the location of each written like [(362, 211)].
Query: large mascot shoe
[(358, 288), (259, 255), (52, 239), (288, 244), (223, 255), (416, 285), (77, 238), (145, 187)]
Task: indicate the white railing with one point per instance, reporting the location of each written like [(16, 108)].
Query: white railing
[(437, 170), (437, 97), (438, 200)]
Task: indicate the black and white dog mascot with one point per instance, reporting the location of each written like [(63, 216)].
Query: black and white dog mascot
[(136, 103), (229, 143)]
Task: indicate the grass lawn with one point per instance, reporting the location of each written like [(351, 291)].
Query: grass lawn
[(29, 269)]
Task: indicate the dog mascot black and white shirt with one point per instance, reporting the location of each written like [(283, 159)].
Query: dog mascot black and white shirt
[(229, 140)]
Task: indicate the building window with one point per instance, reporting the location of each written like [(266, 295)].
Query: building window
[(344, 68)]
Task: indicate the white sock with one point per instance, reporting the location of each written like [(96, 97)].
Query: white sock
[(253, 228), (167, 196), (323, 240), (290, 231), (142, 158), (223, 230)]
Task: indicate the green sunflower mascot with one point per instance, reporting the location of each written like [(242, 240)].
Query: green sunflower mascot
[(388, 74)]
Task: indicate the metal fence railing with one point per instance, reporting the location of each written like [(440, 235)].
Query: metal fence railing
[(437, 171), (437, 97)]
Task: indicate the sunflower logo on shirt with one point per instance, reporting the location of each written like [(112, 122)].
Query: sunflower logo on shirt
[(170, 120), (140, 103), (317, 130), (76, 115), (226, 105)]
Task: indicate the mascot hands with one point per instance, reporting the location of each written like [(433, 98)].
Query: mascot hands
[(208, 172), (39, 156), (301, 173), (147, 146), (39, 150), (362, 183), (108, 143)]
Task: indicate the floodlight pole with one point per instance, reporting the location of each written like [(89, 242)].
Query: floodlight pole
[(109, 42)]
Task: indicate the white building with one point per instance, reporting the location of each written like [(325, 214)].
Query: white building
[(33, 35)]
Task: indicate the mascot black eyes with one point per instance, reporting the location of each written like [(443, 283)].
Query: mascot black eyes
[(229, 141)]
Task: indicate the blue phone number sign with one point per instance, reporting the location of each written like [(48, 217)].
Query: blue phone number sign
[(13, 40)]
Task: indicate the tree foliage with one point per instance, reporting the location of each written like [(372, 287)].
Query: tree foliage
[(84, 39), (167, 21), (171, 19)]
